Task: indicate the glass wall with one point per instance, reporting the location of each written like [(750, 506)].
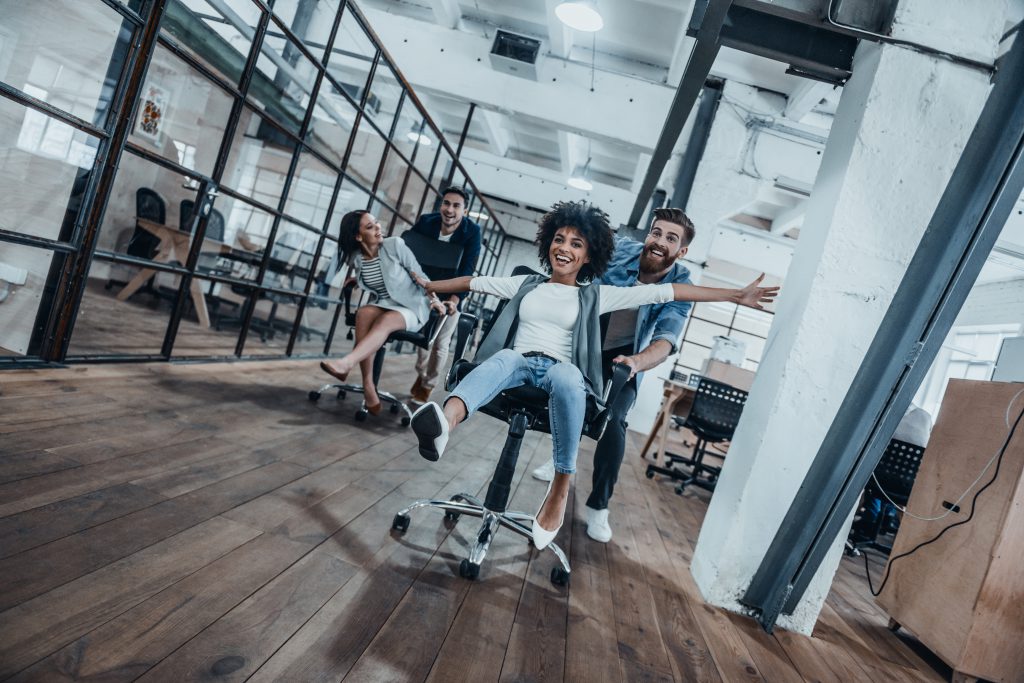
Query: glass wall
[(191, 208)]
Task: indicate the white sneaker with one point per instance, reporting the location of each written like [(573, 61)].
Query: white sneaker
[(545, 472), (597, 525)]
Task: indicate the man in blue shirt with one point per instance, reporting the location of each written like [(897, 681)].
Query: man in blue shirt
[(451, 225), (642, 338)]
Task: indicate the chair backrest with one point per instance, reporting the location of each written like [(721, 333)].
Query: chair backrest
[(439, 260), (150, 205), (716, 410), (897, 469), (214, 224)]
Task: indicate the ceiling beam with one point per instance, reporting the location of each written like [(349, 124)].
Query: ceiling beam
[(497, 134), (684, 45), (560, 36), (807, 95), (447, 13)]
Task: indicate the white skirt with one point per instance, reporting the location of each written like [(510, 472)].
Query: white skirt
[(412, 323)]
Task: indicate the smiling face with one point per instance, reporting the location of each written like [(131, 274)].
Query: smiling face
[(568, 254), (664, 244), (370, 235), (453, 208)]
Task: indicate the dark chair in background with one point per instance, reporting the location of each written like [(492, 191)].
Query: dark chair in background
[(895, 475), (438, 262), (142, 243), (713, 418), (523, 408)]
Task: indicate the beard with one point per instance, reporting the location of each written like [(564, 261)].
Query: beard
[(650, 263)]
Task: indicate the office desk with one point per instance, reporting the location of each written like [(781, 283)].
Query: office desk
[(174, 245)]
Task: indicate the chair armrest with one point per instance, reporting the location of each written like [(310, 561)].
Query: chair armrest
[(463, 331), (620, 375)]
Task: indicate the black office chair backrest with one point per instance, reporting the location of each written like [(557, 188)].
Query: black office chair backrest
[(439, 260), (716, 410), (150, 205), (897, 469), (214, 224)]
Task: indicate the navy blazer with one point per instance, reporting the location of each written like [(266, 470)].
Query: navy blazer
[(467, 235)]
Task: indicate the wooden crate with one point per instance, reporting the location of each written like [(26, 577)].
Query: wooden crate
[(963, 595)]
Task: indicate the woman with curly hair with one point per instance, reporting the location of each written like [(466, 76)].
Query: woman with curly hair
[(549, 336), (384, 267)]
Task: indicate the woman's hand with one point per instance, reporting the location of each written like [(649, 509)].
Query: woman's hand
[(753, 295), (437, 305), (421, 281), (451, 307)]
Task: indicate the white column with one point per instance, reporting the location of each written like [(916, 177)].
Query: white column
[(902, 123)]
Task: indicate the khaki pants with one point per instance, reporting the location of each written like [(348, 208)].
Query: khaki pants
[(431, 362)]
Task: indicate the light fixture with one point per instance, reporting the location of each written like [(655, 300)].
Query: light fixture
[(581, 15), (580, 178)]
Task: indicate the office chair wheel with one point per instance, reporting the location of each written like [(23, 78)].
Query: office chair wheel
[(361, 416), (680, 489), (469, 570), (649, 472), (400, 523), (405, 421), (341, 395), (314, 396), (559, 576), (349, 336), (451, 516), (394, 409)]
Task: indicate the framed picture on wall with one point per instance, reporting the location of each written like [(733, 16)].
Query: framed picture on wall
[(152, 112)]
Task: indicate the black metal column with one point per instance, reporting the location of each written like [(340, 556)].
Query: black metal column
[(697, 69), (974, 207), (706, 110)]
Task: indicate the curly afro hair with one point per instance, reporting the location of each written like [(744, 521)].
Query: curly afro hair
[(591, 222), (349, 232)]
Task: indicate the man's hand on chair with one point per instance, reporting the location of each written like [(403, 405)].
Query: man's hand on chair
[(451, 306), (627, 360)]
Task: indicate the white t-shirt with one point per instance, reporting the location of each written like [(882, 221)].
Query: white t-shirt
[(547, 315), (441, 237)]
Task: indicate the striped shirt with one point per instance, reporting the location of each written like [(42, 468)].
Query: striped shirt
[(373, 278)]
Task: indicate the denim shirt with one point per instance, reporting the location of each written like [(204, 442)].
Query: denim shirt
[(653, 321)]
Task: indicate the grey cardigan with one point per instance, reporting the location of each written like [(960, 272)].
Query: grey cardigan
[(396, 264), (586, 333)]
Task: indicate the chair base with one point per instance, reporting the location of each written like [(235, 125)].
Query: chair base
[(395, 405), (465, 504), (696, 465)]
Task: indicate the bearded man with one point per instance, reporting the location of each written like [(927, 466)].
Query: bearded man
[(641, 338)]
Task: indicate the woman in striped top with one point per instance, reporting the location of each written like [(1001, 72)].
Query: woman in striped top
[(383, 268)]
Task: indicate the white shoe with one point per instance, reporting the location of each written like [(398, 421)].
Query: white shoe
[(545, 472), (541, 536), (597, 525), (431, 428)]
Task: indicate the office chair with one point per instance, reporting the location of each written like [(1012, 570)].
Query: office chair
[(439, 260), (895, 474), (143, 243), (524, 408), (713, 418)]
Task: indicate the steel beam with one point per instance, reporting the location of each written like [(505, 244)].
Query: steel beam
[(699, 135), (697, 69), (980, 195)]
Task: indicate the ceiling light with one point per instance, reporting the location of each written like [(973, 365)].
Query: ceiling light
[(581, 15), (580, 178), (418, 137)]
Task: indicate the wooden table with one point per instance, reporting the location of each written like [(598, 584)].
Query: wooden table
[(174, 246)]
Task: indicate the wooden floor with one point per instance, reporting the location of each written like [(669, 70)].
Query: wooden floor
[(207, 522)]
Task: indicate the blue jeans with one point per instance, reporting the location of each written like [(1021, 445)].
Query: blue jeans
[(563, 382)]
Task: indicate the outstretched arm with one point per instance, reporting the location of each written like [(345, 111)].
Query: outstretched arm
[(457, 284), (753, 295)]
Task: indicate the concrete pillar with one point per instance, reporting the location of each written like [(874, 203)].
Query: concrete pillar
[(901, 125)]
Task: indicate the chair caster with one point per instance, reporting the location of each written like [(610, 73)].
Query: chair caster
[(314, 396), (469, 570), (405, 421), (450, 516), (394, 409), (679, 490), (649, 472), (361, 415), (341, 395), (559, 576), (400, 523)]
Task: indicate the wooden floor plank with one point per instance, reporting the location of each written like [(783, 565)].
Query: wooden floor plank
[(206, 521)]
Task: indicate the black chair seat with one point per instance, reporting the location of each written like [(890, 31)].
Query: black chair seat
[(534, 401)]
